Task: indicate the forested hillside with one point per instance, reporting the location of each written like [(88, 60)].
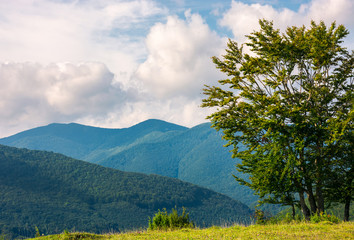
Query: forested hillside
[(55, 192), (195, 155)]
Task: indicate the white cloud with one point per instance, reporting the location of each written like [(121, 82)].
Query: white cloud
[(46, 31), (33, 94), (179, 60), (43, 80), (340, 11), (242, 18), (80, 89)]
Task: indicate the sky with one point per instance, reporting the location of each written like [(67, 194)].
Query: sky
[(115, 63)]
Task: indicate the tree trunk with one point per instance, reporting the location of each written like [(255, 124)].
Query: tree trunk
[(293, 208), (305, 210), (311, 198), (320, 200), (348, 196), (319, 174), (347, 208)]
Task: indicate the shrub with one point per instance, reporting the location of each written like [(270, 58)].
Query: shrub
[(163, 221), (285, 218), (324, 217), (260, 217), (288, 218), (37, 232)]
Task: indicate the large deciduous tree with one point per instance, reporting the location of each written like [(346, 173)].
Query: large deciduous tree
[(289, 100)]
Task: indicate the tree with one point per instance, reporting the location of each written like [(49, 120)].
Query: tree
[(290, 102)]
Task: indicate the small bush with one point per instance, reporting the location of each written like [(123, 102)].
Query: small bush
[(260, 217), (4, 237), (37, 232), (163, 221), (324, 217), (285, 218)]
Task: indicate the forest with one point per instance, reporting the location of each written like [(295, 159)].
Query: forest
[(55, 193)]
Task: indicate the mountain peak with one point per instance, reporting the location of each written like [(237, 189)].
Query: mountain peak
[(158, 125)]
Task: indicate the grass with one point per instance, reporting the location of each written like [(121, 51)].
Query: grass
[(313, 231)]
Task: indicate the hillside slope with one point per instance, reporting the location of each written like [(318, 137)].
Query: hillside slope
[(55, 192), (195, 155)]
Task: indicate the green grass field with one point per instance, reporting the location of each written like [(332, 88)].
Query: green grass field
[(320, 231)]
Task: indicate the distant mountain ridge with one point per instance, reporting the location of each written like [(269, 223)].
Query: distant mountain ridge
[(192, 154), (54, 192), (78, 140)]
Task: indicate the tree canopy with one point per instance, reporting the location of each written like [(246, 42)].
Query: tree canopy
[(288, 97)]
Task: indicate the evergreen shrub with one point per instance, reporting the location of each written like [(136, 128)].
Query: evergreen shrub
[(163, 221)]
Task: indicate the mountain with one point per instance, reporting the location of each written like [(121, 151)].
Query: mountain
[(193, 154), (77, 140), (56, 193)]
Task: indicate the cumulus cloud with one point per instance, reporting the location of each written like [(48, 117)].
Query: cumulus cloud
[(340, 11), (43, 81), (52, 31), (178, 63), (243, 18), (33, 94), (80, 89)]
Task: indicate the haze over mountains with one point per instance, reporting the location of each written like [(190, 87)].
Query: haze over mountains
[(194, 155), (54, 192)]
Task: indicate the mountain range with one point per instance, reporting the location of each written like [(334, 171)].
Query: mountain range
[(52, 193), (194, 154)]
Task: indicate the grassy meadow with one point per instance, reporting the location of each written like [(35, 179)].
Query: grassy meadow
[(320, 231)]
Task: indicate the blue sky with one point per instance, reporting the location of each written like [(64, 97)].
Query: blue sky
[(114, 63)]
